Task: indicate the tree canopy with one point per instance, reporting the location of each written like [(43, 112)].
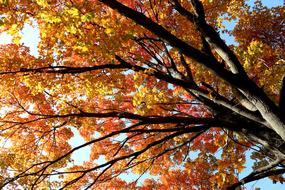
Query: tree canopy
[(151, 87)]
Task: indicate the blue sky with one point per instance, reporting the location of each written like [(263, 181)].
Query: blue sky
[(31, 40), (268, 3)]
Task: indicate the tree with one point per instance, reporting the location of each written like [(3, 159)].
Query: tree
[(148, 84)]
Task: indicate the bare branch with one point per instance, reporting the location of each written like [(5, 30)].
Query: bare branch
[(65, 69)]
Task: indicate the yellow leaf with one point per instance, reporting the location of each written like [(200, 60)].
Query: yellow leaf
[(72, 12), (17, 40), (109, 30), (42, 3)]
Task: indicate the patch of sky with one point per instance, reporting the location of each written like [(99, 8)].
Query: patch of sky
[(5, 143), (101, 160), (31, 38), (128, 72), (120, 138), (5, 38), (130, 177), (264, 184), (229, 39), (5, 109), (96, 135), (170, 86), (229, 25), (81, 155), (268, 3)]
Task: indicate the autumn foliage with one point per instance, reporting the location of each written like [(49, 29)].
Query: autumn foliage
[(151, 88)]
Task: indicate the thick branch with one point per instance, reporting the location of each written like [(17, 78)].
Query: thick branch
[(211, 36), (256, 177), (127, 115), (243, 100), (220, 100)]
